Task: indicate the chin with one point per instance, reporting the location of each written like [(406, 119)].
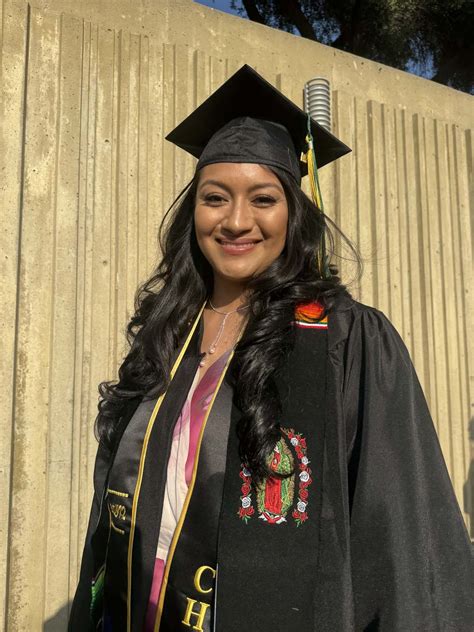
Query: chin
[(235, 276)]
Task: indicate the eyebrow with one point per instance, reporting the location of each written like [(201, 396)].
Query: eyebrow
[(252, 188)]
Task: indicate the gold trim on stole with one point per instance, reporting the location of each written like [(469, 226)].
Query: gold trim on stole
[(187, 500), (142, 465)]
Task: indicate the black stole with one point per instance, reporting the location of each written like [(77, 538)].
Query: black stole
[(188, 586), (267, 560), (134, 500)]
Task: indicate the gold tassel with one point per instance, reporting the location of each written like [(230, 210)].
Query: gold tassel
[(313, 174), (310, 159)]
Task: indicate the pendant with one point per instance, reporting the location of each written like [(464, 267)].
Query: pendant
[(213, 347)]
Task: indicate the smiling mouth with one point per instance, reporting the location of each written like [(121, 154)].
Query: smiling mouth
[(237, 247)]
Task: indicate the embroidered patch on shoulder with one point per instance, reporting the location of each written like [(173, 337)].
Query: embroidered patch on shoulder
[(276, 496), (311, 316)]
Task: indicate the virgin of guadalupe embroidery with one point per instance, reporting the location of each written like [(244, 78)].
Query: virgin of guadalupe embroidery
[(275, 497)]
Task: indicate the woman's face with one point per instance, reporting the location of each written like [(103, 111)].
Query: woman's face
[(241, 218)]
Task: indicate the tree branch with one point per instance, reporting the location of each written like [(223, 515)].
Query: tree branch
[(252, 11), (350, 31), (291, 10)]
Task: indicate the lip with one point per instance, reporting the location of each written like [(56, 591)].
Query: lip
[(238, 247)]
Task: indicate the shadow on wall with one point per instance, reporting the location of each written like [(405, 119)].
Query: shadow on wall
[(58, 622), (468, 492)]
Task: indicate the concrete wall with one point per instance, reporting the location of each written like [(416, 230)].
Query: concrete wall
[(89, 90)]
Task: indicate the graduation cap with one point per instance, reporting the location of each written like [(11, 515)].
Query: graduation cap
[(248, 120)]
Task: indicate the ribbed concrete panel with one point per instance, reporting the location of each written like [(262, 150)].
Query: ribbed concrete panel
[(36, 320), (12, 71), (89, 91), (62, 320)]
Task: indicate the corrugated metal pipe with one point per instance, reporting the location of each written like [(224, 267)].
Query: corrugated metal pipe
[(317, 101)]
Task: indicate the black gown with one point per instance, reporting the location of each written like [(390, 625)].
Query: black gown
[(367, 536)]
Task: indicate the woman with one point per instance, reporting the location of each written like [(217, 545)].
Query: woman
[(266, 460)]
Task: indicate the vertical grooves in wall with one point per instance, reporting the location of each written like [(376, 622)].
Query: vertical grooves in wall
[(375, 251), (143, 164), (461, 174), (119, 254), (167, 149), (155, 133), (25, 31), (385, 155), (441, 269), (433, 305), (81, 363), (415, 248), (130, 229), (447, 197), (115, 148), (423, 244), (342, 197), (364, 204), (136, 205), (74, 544), (357, 237), (460, 311), (92, 350), (36, 275), (404, 296), (52, 299)]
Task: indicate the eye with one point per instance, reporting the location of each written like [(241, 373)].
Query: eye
[(265, 200), (213, 199)]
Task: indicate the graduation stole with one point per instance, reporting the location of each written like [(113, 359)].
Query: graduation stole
[(268, 547), (241, 558), (134, 502)]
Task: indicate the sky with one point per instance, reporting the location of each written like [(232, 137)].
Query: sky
[(222, 5)]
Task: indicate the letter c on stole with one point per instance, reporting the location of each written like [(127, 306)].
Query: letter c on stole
[(197, 579), (201, 613)]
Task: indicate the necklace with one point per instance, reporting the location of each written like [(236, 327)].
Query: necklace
[(214, 344)]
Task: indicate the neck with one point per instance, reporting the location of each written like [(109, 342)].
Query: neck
[(227, 295)]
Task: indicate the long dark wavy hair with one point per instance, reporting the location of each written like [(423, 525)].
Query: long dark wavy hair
[(167, 302)]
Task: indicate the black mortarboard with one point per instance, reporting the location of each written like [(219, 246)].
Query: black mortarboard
[(248, 120)]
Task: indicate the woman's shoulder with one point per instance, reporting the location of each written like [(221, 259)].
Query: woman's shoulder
[(348, 319), (366, 328), (350, 323), (345, 305)]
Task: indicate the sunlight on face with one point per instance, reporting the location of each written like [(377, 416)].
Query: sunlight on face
[(241, 218)]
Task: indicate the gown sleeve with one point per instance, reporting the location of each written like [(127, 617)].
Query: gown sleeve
[(411, 557)]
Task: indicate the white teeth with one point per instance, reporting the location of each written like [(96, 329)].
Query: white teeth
[(238, 243), (238, 246)]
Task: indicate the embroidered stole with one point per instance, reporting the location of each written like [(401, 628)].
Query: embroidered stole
[(268, 545)]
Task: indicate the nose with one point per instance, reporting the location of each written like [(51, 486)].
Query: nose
[(239, 218)]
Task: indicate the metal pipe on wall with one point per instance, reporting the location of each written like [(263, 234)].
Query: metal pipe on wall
[(317, 101)]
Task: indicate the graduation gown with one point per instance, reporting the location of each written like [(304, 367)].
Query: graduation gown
[(366, 535)]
